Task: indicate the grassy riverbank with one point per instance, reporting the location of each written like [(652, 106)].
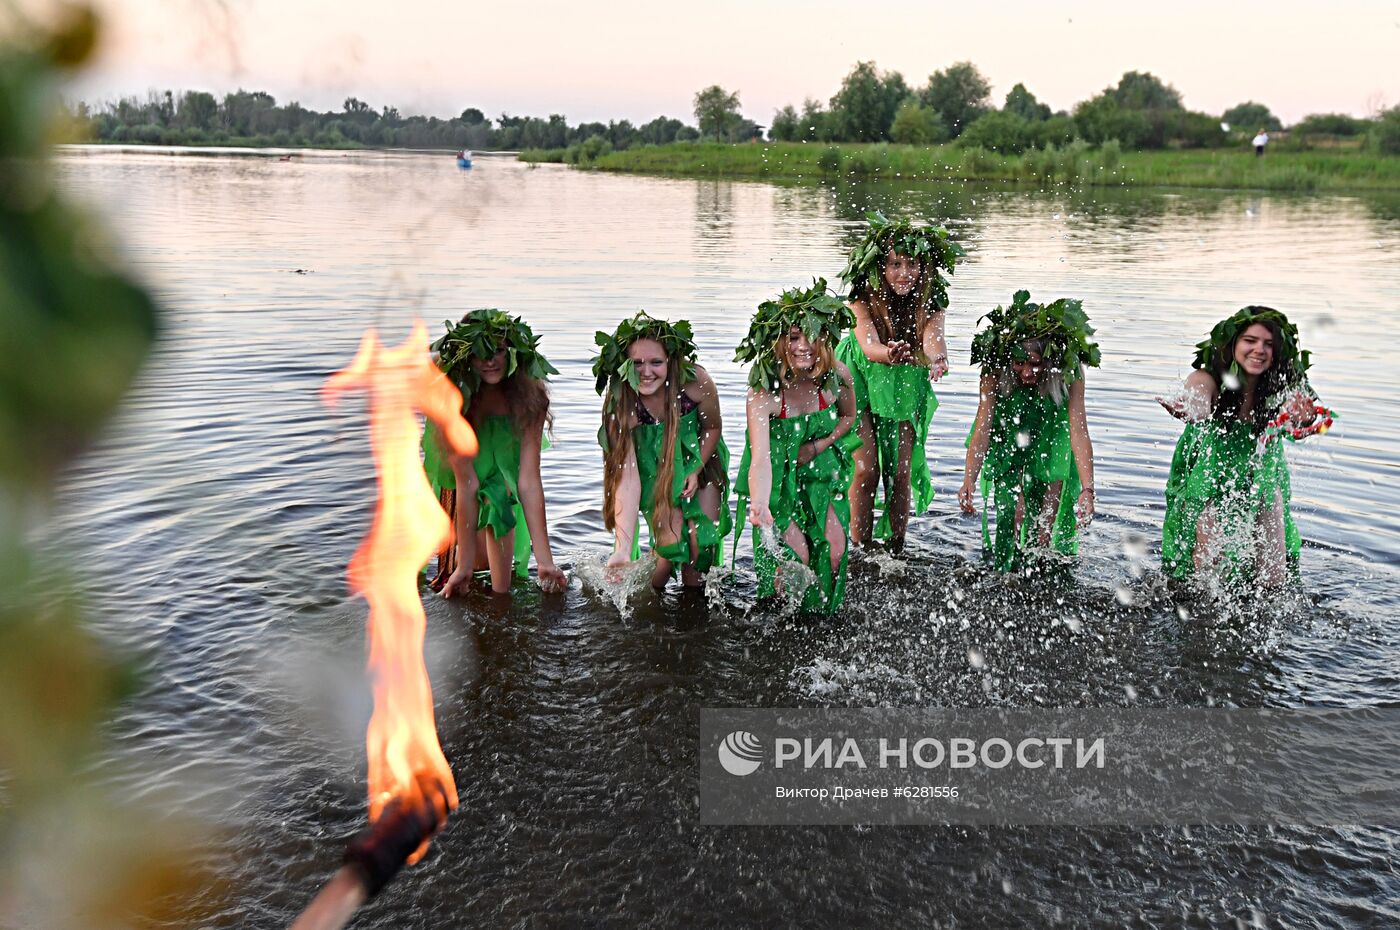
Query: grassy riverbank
[(1076, 163)]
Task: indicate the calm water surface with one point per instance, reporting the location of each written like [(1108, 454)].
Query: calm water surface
[(218, 515)]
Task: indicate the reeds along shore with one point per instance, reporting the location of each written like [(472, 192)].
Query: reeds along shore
[(1076, 163)]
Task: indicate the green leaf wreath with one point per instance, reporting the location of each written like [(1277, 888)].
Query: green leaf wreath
[(612, 368), (1223, 335), (815, 310), (481, 334), (931, 244), (1062, 326)]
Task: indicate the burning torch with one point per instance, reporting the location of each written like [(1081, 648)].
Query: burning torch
[(411, 790)]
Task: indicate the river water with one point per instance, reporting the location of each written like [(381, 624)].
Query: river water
[(217, 516)]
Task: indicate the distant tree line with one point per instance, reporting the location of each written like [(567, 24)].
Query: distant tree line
[(254, 117), (1140, 112)]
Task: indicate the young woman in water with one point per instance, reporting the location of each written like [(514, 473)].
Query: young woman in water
[(496, 499), (1228, 489), (663, 452), (898, 295), (797, 465), (1030, 440)]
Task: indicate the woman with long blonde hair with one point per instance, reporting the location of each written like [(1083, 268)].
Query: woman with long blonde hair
[(797, 462), (663, 451)]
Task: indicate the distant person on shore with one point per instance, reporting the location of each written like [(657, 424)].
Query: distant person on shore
[(663, 450), (1260, 140), (1228, 489), (1030, 440), (496, 499), (797, 463), (898, 293)]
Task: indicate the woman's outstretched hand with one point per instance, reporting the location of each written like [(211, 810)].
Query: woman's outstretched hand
[(1301, 410), (760, 516), (551, 579), (458, 583), (900, 352), (938, 368), (692, 484), (966, 496), (616, 563)]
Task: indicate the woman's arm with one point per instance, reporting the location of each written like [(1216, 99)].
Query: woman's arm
[(1196, 399), (1083, 448), (464, 523), (761, 406), (981, 438), (627, 501), (935, 346), (845, 419), (531, 491), (703, 390), (869, 338)]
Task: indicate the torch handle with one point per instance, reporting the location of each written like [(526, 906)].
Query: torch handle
[(332, 908)]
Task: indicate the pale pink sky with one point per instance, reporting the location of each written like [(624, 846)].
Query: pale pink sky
[(637, 60)]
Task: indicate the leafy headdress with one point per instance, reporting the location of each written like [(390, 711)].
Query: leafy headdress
[(1215, 350), (1062, 327), (481, 334), (928, 243), (814, 310), (613, 368)]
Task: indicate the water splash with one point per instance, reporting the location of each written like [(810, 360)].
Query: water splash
[(795, 578), (590, 564)]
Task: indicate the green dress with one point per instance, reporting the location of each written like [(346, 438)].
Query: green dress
[(497, 465), (803, 494), (1028, 450), (1223, 464), (647, 439), (893, 394)]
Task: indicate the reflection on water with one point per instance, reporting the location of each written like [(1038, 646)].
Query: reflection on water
[(217, 517)]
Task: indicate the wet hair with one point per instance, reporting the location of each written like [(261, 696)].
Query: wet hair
[(1268, 391), (1051, 381), (903, 318), (619, 436)]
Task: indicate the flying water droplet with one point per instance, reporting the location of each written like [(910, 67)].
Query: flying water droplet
[(1023, 439), (975, 658)]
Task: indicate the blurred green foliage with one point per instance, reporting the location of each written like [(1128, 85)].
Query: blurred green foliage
[(74, 331)]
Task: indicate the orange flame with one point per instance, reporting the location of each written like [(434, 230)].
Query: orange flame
[(405, 759)]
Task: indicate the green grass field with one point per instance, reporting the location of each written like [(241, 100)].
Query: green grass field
[(1077, 164)]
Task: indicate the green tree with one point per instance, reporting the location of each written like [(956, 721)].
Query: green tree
[(661, 130), (717, 112), (472, 116), (1139, 90), (816, 123), (786, 125), (959, 93), (1330, 124), (1250, 116), (864, 108), (916, 124), (1023, 103), (1385, 134), (196, 110), (1100, 119), (1000, 131)]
